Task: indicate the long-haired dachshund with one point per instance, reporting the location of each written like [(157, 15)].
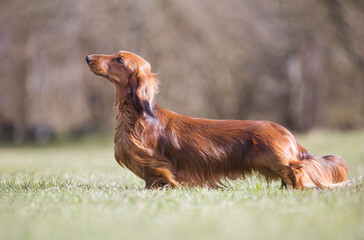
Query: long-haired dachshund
[(168, 149)]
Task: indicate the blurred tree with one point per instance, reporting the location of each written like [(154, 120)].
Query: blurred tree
[(297, 63)]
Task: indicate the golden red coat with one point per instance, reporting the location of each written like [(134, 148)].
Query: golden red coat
[(168, 149)]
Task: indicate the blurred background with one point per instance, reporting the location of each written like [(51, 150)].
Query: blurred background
[(299, 63)]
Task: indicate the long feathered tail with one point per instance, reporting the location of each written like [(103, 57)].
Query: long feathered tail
[(313, 171)]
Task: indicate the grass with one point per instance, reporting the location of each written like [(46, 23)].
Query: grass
[(76, 190)]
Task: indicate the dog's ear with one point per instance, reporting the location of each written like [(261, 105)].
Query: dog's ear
[(144, 86)]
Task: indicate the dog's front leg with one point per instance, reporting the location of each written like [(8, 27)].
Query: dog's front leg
[(159, 178)]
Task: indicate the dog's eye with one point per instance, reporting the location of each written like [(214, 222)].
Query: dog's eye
[(119, 60)]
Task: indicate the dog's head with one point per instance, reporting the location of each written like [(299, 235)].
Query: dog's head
[(131, 76)]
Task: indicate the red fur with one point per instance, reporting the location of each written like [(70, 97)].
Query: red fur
[(168, 149)]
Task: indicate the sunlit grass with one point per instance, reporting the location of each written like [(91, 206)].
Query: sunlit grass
[(77, 191)]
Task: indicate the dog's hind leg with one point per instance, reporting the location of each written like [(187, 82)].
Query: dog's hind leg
[(286, 173)]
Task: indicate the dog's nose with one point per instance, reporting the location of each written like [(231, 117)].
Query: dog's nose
[(88, 59)]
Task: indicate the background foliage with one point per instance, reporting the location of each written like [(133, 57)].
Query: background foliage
[(299, 63)]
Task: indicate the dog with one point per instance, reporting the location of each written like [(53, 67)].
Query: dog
[(167, 149)]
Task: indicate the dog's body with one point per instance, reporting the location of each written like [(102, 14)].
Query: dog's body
[(168, 149)]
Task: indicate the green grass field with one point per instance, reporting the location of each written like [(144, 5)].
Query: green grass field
[(76, 190)]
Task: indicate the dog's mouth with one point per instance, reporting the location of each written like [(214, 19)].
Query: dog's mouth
[(101, 74), (97, 72)]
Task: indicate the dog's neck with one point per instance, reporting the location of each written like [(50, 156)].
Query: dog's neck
[(127, 117)]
